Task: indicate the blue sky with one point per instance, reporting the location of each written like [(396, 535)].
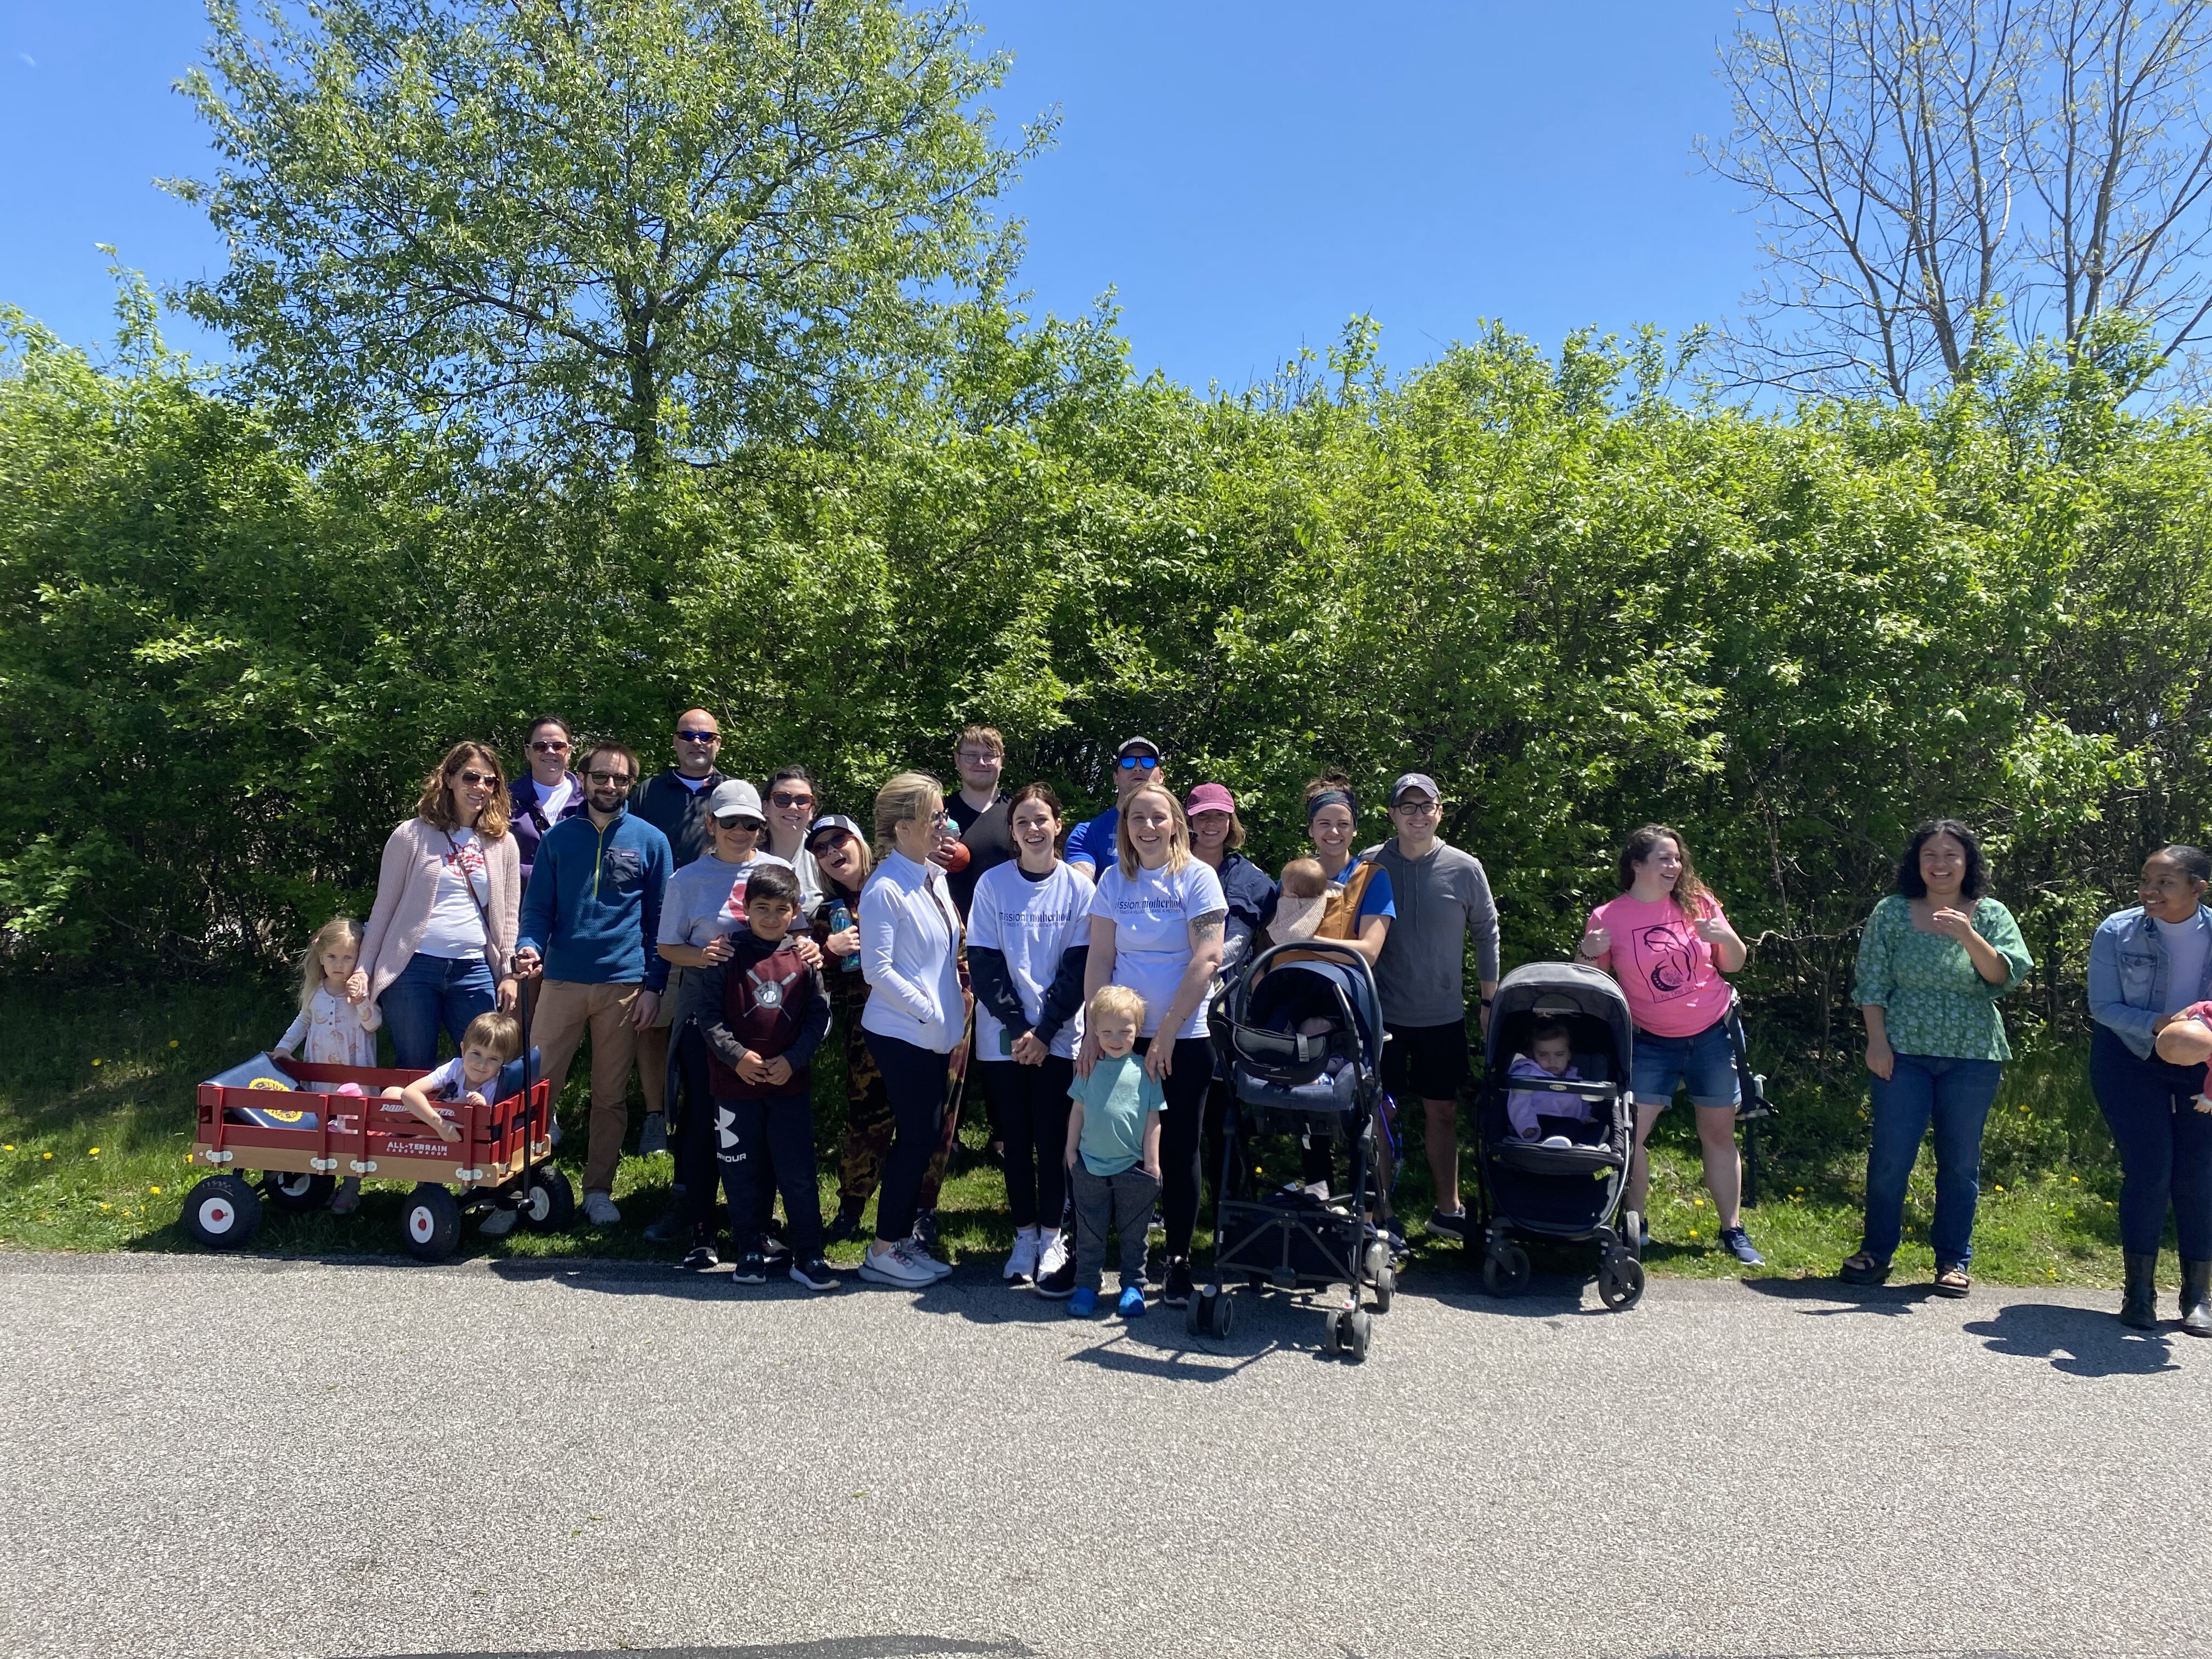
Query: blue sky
[(1246, 176)]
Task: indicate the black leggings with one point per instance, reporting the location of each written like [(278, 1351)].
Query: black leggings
[(913, 1078), (1030, 1106), (1182, 1124)]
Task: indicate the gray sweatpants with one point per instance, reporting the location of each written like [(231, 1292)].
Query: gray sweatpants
[(1122, 1201)]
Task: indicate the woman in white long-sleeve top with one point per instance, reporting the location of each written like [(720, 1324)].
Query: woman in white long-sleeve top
[(916, 1012)]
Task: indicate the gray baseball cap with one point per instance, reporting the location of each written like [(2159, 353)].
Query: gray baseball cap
[(1421, 780), (736, 798), (834, 824)]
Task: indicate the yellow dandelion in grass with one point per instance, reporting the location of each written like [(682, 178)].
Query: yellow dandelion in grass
[(2076, 1180), (173, 1043), (9, 1148), (103, 1207), (2000, 1186), (49, 1156), (92, 1151), (96, 1062), (1700, 1202), (153, 1189)]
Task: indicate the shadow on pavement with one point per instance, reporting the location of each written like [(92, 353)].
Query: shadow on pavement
[(831, 1647), (2080, 1341), (1885, 1300)]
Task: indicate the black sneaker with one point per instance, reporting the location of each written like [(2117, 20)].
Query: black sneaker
[(1059, 1283), (751, 1269), (1175, 1292), (671, 1229), (1737, 1242), (815, 1273), (1449, 1224), (847, 1226), (773, 1248), (698, 1259)]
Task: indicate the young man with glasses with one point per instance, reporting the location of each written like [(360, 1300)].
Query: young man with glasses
[(1442, 896), (978, 812), (589, 926), (549, 794), (1090, 845), (675, 802)]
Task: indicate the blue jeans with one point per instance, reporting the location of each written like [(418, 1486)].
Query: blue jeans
[(1956, 1094), (432, 991), (1706, 1062), (2165, 1147)]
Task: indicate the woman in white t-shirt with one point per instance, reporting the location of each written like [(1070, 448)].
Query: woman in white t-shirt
[(1028, 939), (1155, 927), (438, 947)]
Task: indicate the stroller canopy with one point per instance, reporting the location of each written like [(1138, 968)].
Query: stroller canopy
[(1552, 990)]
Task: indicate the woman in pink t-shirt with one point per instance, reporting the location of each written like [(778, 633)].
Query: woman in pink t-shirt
[(1665, 940)]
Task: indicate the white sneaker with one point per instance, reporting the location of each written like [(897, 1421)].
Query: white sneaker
[(499, 1222), (599, 1210), (1022, 1264), (895, 1266), (921, 1258), (1053, 1257)]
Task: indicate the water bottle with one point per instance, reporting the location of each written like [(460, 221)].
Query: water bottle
[(840, 920)]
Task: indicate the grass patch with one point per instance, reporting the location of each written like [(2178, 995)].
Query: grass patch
[(96, 1091)]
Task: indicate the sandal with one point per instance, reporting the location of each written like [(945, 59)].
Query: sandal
[(1952, 1280), (1863, 1269)]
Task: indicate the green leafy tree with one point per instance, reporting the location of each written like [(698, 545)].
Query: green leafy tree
[(685, 224)]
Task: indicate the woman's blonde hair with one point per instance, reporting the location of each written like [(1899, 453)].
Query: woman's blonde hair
[(909, 795), (1178, 832), (435, 807), (339, 930)]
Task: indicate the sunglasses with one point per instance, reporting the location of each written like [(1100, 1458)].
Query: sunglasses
[(468, 776), (739, 824), (1131, 762), (548, 746), (782, 799), (621, 778), (698, 737)]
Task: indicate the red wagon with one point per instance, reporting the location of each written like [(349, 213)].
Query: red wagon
[(304, 1142)]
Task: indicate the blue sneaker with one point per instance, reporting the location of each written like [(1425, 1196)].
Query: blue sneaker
[(1131, 1305), (1083, 1303), (1737, 1242)]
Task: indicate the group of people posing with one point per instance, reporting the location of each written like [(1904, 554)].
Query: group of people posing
[(711, 936)]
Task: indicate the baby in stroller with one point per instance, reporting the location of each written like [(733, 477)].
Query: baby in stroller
[(1550, 1055)]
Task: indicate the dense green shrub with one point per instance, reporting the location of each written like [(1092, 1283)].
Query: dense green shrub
[(1578, 602)]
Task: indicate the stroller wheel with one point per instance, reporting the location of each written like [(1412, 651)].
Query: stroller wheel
[(1632, 1233), (1197, 1312), (1224, 1313), (1505, 1270), (1386, 1288), (1358, 1330), (1619, 1280), (1332, 1330), (1377, 1259)]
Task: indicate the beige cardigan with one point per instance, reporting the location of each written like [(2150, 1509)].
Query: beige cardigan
[(406, 886)]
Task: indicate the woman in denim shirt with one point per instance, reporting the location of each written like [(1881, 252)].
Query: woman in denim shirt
[(2146, 964)]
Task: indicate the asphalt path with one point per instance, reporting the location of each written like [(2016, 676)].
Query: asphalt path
[(209, 1456)]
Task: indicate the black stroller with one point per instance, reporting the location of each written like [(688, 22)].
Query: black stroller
[(1321, 1086), (1569, 1192)]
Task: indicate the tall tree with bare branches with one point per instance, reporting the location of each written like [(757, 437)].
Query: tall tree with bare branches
[(1924, 167)]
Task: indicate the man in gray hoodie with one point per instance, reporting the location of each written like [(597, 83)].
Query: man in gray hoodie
[(1444, 898)]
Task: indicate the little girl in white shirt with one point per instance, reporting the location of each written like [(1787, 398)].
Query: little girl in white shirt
[(332, 1027)]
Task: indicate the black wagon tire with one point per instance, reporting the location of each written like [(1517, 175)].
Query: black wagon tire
[(296, 1191), (1385, 1288), (1620, 1281), (1505, 1270), (223, 1211), (548, 1203), (1358, 1332), (432, 1222)]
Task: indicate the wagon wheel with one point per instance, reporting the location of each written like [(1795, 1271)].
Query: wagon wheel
[(296, 1191), (222, 1211), (433, 1222), (549, 1205)]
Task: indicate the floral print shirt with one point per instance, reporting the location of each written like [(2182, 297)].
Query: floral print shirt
[(1933, 1002)]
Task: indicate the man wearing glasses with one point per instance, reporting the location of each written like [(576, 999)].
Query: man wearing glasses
[(549, 794), (978, 812), (675, 802), (589, 925), (1443, 895), (1090, 845)]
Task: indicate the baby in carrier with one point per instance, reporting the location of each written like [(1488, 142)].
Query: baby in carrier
[(1551, 1054)]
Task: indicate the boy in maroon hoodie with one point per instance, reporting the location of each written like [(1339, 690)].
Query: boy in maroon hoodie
[(763, 1012)]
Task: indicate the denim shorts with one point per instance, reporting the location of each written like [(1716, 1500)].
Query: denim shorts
[(1706, 1062)]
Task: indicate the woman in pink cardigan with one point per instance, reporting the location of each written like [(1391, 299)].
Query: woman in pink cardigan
[(439, 949)]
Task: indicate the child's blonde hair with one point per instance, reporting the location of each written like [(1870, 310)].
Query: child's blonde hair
[(1117, 1001), (501, 1033), (339, 930)]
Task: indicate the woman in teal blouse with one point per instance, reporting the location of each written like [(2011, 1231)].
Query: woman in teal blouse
[(1935, 956)]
